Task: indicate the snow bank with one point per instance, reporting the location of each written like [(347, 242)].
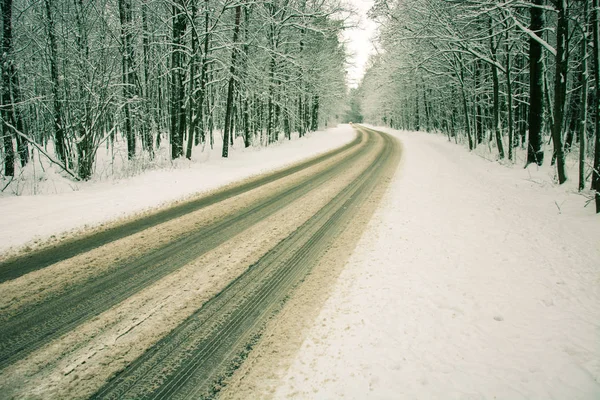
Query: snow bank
[(75, 205), (469, 282)]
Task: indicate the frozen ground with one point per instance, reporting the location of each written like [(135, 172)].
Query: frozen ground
[(64, 205), (472, 281)]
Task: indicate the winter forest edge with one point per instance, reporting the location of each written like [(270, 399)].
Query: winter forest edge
[(77, 77), (81, 75), (510, 76)]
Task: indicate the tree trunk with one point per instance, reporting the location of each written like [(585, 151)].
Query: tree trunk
[(7, 111), (583, 105), (465, 106), (83, 129), (417, 119), (535, 153), (211, 121), (230, 86), (11, 97), (596, 40), (270, 101), (426, 108), (560, 89), (306, 115), (478, 100), (192, 97), (246, 105), (301, 126), (203, 74), (247, 130), (149, 116), (177, 89), (287, 129), (509, 95), (59, 132), (128, 78), (277, 115), (315, 114), (496, 88)]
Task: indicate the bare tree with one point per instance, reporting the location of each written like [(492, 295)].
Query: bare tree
[(560, 88), (178, 114), (596, 66), (535, 153), (11, 96), (230, 85)]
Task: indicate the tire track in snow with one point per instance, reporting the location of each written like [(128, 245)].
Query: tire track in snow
[(193, 359), (38, 325)]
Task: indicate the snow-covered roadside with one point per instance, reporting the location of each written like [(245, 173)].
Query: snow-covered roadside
[(468, 283), (25, 218)]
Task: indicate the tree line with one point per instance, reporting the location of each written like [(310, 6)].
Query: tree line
[(509, 75), (78, 74)]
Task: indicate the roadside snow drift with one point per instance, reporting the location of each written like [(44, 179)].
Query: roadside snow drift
[(25, 218), (470, 282)]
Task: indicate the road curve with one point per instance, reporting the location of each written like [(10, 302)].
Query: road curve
[(191, 360), (38, 324)]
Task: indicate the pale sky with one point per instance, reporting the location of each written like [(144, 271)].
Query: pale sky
[(359, 41)]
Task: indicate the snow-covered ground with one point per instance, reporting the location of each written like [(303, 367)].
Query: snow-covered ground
[(65, 205), (472, 281)]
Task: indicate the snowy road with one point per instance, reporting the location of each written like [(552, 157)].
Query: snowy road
[(174, 314)]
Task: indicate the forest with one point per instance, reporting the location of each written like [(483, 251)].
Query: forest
[(511, 75), (78, 75)]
